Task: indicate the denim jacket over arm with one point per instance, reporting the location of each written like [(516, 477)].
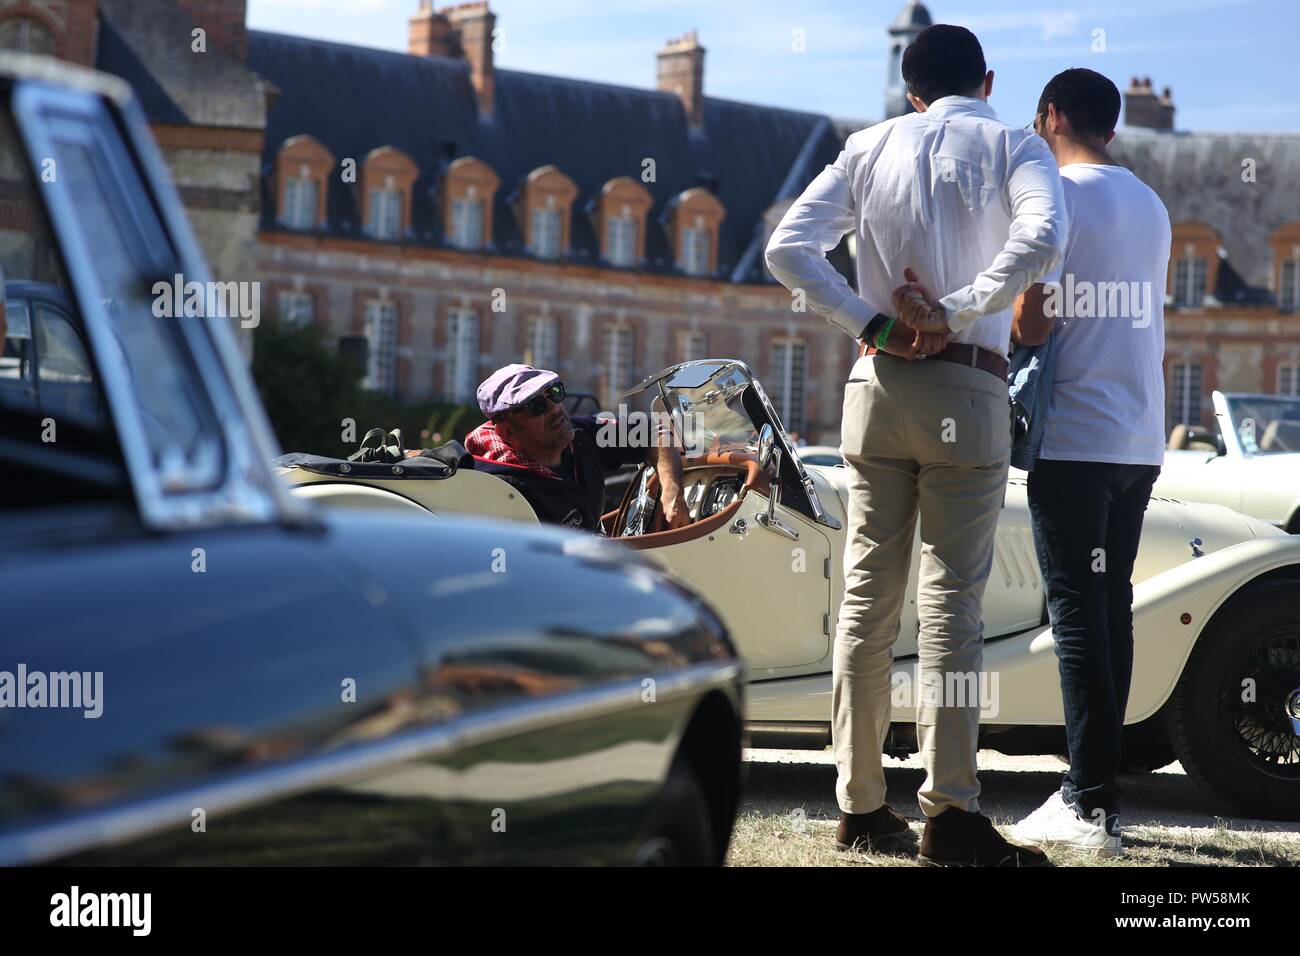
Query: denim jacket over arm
[(1029, 383)]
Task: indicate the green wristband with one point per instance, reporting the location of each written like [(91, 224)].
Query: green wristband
[(883, 335)]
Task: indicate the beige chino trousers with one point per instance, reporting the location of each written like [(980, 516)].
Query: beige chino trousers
[(928, 438)]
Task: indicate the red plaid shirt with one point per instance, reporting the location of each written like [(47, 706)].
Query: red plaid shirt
[(485, 444)]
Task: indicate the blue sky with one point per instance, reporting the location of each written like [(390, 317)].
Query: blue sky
[(1232, 64)]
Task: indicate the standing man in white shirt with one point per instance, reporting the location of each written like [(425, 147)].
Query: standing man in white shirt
[(973, 208), (1103, 442)]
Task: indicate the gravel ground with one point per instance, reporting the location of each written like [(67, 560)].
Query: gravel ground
[(788, 815)]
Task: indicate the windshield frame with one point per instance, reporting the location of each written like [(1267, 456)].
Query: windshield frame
[(798, 489)]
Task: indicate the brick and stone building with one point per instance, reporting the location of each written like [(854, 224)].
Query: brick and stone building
[(448, 216), (206, 108)]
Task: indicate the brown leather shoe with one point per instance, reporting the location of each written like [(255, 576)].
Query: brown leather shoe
[(880, 831), (959, 838)]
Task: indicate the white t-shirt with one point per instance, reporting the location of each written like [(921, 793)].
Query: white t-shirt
[(1108, 395)]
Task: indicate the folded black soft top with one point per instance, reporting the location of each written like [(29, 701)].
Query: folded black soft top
[(432, 463)]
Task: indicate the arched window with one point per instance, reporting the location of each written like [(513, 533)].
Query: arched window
[(1194, 265), (386, 185), (301, 199), (1285, 241), (693, 225), (545, 203), (620, 215), (468, 192), (302, 168), (27, 35)]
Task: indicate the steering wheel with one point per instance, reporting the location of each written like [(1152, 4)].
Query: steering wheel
[(640, 504)]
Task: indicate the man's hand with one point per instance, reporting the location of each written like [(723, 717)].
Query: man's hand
[(917, 306), (666, 459), (677, 513), (911, 345)]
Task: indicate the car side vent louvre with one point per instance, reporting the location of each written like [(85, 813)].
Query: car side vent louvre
[(1014, 552)]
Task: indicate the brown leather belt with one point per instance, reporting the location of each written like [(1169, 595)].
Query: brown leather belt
[(963, 354)]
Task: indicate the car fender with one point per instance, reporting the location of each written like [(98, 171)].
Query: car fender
[(1170, 613)]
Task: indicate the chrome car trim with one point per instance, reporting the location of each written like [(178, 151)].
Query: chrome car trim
[(252, 491), (244, 490), (141, 817)]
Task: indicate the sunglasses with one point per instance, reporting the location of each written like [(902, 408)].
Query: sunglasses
[(536, 406)]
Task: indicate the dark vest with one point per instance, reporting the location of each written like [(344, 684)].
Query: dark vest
[(576, 496)]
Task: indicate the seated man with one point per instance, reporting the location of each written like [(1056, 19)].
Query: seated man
[(556, 461)]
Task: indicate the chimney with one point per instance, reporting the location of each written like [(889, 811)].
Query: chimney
[(224, 23), (430, 33), (681, 71), (1142, 108), (473, 24)]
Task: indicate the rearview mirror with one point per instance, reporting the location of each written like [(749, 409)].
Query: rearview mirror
[(769, 459), (767, 448)]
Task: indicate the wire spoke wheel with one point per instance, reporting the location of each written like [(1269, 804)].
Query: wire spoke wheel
[(1260, 692)]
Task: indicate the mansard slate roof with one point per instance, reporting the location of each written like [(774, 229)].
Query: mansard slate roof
[(355, 99), (1199, 176), (147, 43)]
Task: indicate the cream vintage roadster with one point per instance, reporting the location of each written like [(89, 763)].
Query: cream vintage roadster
[(1251, 461), (1216, 678)]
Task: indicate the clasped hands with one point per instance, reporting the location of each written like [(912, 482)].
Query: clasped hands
[(922, 326)]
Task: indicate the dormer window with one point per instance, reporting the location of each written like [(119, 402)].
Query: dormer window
[(620, 239), (693, 225), (546, 233), (1288, 293), (468, 192), (302, 170), (301, 200), (1189, 283), (385, 212), (543, 206), (1194, 256), (386, 187), (620, 221), (696, 249), (467, 221), (1284, 243)]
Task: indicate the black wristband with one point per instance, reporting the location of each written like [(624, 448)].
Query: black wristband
[(873, 326)]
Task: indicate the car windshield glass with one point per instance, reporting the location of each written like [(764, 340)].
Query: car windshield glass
[(1266, 425), (708, 397)]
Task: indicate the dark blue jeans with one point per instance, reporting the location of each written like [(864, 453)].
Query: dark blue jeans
[(1087, 519)]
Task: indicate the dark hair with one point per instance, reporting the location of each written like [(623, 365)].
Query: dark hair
[(943, 60), (1089, 101)]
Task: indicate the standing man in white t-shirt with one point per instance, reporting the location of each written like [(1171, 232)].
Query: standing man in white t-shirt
[(1102, 444)]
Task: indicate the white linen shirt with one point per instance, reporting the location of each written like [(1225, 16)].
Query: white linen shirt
[(973, 205)]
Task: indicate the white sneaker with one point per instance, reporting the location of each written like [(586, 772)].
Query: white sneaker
[(1056, 824)]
